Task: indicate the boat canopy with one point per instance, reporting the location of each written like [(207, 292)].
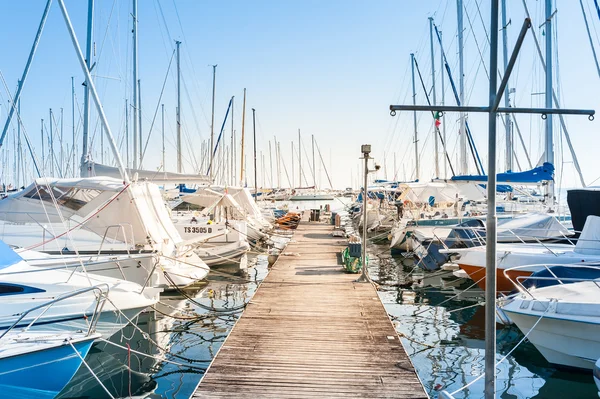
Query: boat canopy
[(535, 175), (589, 240), (92, 169)]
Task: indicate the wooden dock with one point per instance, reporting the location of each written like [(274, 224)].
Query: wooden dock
[(311, 331)]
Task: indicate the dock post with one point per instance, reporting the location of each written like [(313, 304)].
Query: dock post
[(364, 277)]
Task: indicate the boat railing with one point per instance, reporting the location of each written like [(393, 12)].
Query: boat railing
[(101, 291), (518, 280), (477, 238), (120, 228)]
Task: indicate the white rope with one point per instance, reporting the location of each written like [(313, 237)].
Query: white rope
[(507, 355), (91, 371)]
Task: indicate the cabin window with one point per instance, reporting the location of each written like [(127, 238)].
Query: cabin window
[(13, 289), (69, 197)]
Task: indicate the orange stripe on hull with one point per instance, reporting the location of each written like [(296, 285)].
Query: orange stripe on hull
[(502, 283)]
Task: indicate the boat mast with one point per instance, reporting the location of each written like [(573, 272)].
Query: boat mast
[(21, 82), (549, 153), (464, 167), (271, 164), (299, 159), (139, 106), (507, 117), (19, 154), (135, 86), (51, 150), (442, 102), (162, 117), (313, 163), (212, 121), (72, 122), (416, 138), (255, 172), (127, 134), (179, 168), (62, 171), (43, 155), (435, 137), (242, 160), (232, 149), (293, 150), (86, 90)]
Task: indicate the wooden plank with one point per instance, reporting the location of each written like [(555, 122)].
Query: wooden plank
[(312, 331)]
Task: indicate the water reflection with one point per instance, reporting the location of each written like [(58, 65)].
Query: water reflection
[(443, 331), (184, 326)]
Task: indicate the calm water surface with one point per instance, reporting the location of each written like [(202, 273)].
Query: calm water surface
[(445, 337)]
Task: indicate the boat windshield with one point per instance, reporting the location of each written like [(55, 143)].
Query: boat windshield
[(69, 197)]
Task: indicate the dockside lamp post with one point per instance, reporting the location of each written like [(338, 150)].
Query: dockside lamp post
[(366, 150)]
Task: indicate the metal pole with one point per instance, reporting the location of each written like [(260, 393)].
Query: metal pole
[(164, 165), (232, 149), (443, 102), (179, 165), (490, 252), (36, 41), (278, 152), (86, 90), (242, 159), (416, 137), (364, 277), (463, 168), (271, 164), (135, 87), (549, 153), (19, 154), (313, 161), (299, 160), (435, 138), (255, 172), (128, 165), (140, 141), (43, 155), (51, 150), (73, 123), (293, 150), (508, 117), (61, 144), (212, 120), (102, 145), (94, 93)]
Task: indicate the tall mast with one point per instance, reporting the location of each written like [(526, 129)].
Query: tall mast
[(443, 103), (139, 109), (271, 164), (86, 90), (549, 152), (72, 122), (179, 168), (299, 160), (127, 134), (463, 169), (135, 86), (293, 185), (242, 159), (51, 151), (212, 120), (61, 144), (255, 172), (278, 159), (508, 116), (43, 154), (231, 177), (416, 137), (313, 163), (435, 137), (19, 154), (162, 112)]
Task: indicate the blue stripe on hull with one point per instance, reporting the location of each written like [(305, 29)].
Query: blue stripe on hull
[(43, 373)]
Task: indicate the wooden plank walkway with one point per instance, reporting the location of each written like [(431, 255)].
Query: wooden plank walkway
[(311, 331)]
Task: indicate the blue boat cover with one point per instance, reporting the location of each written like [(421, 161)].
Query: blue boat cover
[(8, 257), (535, 175)]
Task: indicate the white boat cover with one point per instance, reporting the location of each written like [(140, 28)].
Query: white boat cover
[(442, 192), (92, 169), (531, 225), (589, 240)]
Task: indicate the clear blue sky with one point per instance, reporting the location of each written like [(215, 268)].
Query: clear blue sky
[(329, 68)]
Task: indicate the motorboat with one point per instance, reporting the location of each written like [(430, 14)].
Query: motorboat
[(103, 216), (562, 320), (60, 298), (39, 364)]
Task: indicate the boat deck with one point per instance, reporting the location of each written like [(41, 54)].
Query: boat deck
[(311, 331)]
